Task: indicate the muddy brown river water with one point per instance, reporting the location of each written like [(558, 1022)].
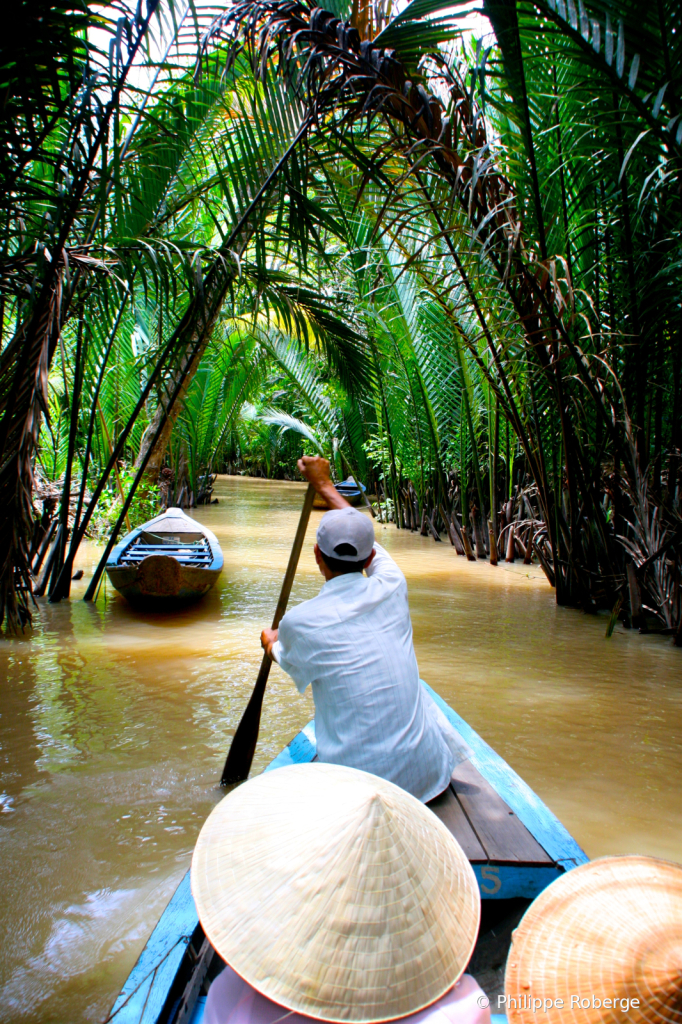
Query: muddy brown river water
[(114, 727)]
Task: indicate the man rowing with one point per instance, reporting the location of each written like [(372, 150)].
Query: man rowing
[(353, 644)]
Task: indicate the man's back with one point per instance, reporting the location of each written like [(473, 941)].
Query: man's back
[(353, 644)]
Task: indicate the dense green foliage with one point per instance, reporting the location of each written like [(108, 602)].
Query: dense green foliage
[(450, 264)]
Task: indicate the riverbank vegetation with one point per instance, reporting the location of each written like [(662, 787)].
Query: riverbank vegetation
[(448, 260)]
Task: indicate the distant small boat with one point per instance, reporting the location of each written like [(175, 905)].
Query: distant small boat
[(171, 559), (347, 489)]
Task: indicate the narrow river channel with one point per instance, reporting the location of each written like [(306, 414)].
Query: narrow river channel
[(114, 727)]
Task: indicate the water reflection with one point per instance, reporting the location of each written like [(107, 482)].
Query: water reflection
[(114, 727)]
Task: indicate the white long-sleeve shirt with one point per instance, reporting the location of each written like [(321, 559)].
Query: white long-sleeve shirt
[(353, 644)]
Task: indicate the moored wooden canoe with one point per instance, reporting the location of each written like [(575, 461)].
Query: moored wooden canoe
[(169, 560), (514, 842)]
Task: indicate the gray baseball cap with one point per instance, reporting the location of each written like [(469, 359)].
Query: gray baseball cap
[(346, 534)]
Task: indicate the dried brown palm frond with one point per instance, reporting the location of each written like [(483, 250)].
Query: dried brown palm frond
[(654, 544)]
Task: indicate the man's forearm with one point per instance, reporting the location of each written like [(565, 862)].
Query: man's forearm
[(316, 471), (332, 496), (268, 639)]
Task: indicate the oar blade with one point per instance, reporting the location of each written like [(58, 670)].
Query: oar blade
[(243, 746)]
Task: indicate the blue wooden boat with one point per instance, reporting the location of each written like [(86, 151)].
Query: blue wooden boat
[(515, 844), (172, 559)]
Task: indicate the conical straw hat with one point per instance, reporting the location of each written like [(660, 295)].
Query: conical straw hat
[(335, 893), (601, 936)]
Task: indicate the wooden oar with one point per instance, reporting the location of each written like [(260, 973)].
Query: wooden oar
[(240, 756)]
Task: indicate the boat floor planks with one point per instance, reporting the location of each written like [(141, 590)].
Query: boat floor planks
[(515, 844)]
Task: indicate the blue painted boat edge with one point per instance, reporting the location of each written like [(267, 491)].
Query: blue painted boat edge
[(508, 881), (145, 992), (217, 552), (301, 750), (149, 979), (552, 836)]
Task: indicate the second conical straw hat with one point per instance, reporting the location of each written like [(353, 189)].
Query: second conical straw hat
[(335, 893), (602, 943)]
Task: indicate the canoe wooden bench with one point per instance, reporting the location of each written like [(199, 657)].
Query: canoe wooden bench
[(515, 844), (506, 857)]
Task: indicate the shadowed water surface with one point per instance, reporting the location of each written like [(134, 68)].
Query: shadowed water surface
[(114, 727)]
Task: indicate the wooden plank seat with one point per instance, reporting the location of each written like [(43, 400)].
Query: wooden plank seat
[(450, 811), (507, 860), (503, 836), (193, 553), (483, 824)]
